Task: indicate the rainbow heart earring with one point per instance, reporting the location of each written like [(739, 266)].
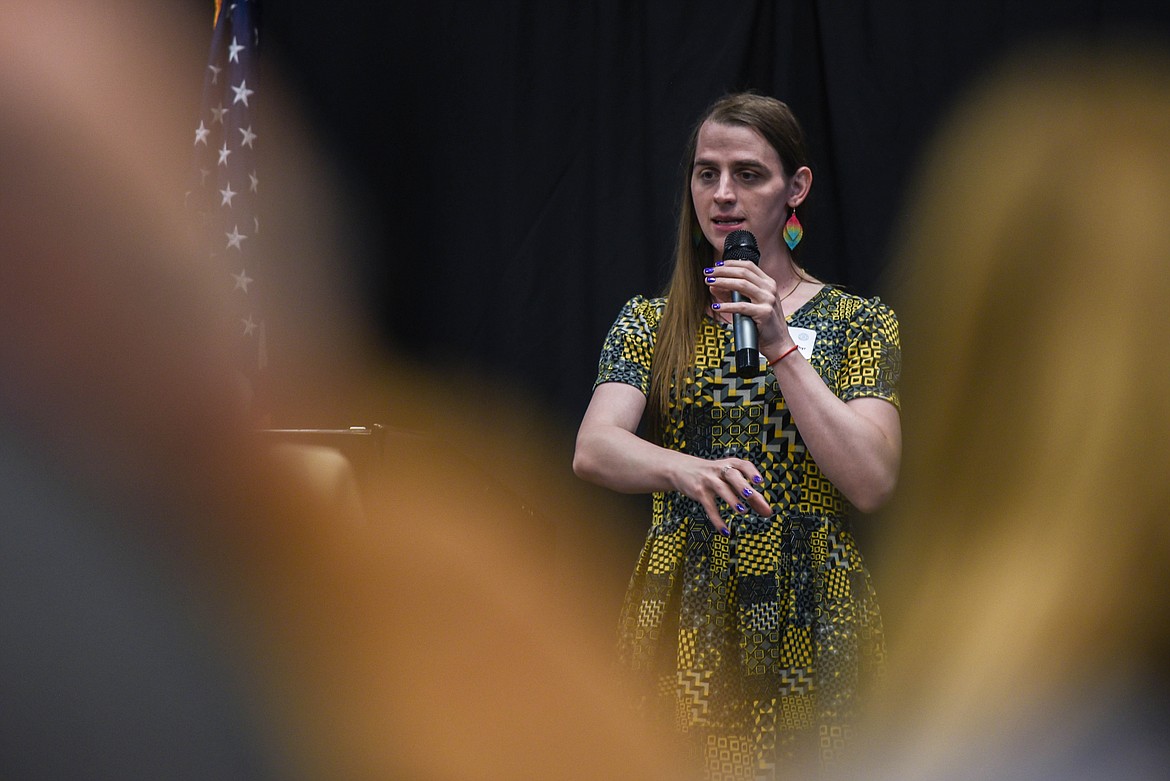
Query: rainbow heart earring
[(793, 231)]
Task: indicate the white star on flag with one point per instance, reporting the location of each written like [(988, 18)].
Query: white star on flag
[(225, 181), (242, 93), (235, 238)]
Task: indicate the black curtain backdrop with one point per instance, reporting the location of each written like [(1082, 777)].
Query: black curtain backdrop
[(516, 165), (511, 171)]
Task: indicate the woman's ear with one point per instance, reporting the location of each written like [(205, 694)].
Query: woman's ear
[(799, 185)]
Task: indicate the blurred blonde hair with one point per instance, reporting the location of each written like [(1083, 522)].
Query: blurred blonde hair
[(1026, 555)]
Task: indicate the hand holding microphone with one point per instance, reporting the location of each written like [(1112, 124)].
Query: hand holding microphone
[(741, 245)]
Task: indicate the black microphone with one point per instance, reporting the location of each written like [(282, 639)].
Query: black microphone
[(741, 245)]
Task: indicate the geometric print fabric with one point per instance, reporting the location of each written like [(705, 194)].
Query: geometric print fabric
[(758, 643)]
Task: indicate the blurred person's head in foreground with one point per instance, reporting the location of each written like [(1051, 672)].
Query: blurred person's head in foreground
[(419, 645), (1026, 562)]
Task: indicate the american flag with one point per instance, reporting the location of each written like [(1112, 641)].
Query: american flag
[(226, 184)]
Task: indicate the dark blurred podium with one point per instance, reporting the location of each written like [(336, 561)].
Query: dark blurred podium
[(360, 444), (363, 447)]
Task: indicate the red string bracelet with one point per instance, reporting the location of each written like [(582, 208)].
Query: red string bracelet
[(782, 356)]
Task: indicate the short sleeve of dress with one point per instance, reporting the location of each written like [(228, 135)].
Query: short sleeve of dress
[(628, 349), (872, 363)]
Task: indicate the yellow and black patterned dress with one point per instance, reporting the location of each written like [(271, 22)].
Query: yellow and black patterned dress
[(757, 643)]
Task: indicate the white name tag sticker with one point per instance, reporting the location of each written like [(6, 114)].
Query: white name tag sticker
[(805, 338)]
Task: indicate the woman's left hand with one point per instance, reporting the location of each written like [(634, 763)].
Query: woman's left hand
[(761, 301)]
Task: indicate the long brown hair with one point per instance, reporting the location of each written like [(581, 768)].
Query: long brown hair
[(686, 298)]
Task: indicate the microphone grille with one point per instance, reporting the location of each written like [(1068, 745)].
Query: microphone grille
[(741, 245)]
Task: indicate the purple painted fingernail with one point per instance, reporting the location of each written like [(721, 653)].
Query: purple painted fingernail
[(747, 492), (708, 270), (719, 263), (757, 479), (740, 507), (715, 305), (710, 280), (725, 532)]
